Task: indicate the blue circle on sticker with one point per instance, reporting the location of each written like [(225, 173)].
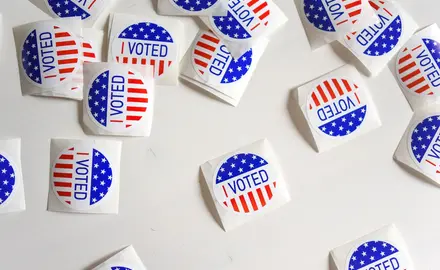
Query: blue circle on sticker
[(373, 254), (245, 183), (380, 38), (81, 176), (214, 63), (331, 16), (118, 99), (146, 43), (194, 5), (416, 64), (246, 19), (7, 179), (424, 145), (337, 107), (71, 8), (120, 268)]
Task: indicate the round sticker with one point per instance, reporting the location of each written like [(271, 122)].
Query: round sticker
[(75, 8), (245, 183), (335, 15), (81, 176), (380, 38), (118, 99), (120, 268), (374, 255), (50, 54), (7, 179), (213, 62), (146, 43), (424, 146), (193, 6), (418, 66), (337, 107), (246, 19)]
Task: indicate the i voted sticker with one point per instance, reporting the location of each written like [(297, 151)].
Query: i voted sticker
[(7, 179), (120, 268), (193, 6), (118, 99), (380, 38), (418, 66), (246, 19), (424, 145), (333, 15), (50, 55), (76, 8), (245, 183), (146, 43), (337, 107), (377, 255), (82, 176), (213, 62)]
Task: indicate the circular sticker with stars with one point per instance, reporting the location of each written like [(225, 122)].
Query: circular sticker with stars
[(146, 43), (86, 9), (7, 179), (246, 19), (418, 66), (245, 183), (193, 6), (213, 62), (380, 38), (120, 268), (335, 15), (51, 54), (118, 99), (424, 145), (81, 176), (336, 107), (377, 255)]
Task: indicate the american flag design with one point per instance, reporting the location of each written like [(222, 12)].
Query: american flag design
[(50, 55), (89, 55), (245, 183), (118, 99), (245, 19), (75, 8), (337, 107), (380, 38), (418, 66), (194, 5), (81, 176), (146, 43), (120, 268), (333, 15), (213, 62), (7, 179), (377, 255), (424, 146)]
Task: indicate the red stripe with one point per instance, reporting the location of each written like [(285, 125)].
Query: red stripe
[(251, 3), (200, 63), (321, 92), (136, 109), (261, 197), (63, 184), (354, 13), (203, 54), (260, 7), (64, 193), (122, 47), (68, 61), (422, 89), (50, 76), (125, 60), (234, 205), (153, 63), (134, 61), (62, 34), (91, 5), (416, 47), (357, 98), (389, 13), (329, 89), (62, 175), (244, 204), (136, 99), (405, 58), (254, 204), (432, 163), (264, 15), (133, 118), (82, 153), (405, 68), (353, 4), (224, 190), (87, 45), (411, 75), (63, 166), (344, 21), (161, 67), (347, 85), (376, 7), (66, 70), (116, 121), (269, 191), (210, 38), (338, 87), (65, 43), (89, 54), (143, 61), (67, 52), (66, 157), (315, 99), (416, 82), (206, 46), (135, 81), (137, 90)]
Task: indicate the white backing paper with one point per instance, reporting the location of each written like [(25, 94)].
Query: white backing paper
[(193, 7), (12, 198), (246, 183), (84, 176), (144, 41), (127, 259), (338, 107), (382, 249), (119, 99), (209, 65), (246, 23)]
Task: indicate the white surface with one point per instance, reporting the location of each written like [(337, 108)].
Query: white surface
[(337, 196)]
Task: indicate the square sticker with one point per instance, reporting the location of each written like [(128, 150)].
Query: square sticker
[(127, 259)]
